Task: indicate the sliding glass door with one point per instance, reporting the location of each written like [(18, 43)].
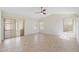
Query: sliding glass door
[(9, 27)]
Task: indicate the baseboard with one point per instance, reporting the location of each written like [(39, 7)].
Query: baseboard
[(48, 33), (30, 33)]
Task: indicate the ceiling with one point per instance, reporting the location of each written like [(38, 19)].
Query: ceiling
[(31, 11)]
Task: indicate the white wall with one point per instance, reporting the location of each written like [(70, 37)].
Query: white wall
[(77, 29), (53, 24), (0, 25), (31, 26)]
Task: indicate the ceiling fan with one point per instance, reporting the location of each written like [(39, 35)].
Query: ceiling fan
[(42, 11)]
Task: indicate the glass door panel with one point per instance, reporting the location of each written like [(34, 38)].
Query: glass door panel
[(10, 28)]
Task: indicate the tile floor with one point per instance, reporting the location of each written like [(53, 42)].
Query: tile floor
[(39, 43)]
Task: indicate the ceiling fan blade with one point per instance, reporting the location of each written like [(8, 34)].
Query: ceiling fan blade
[(44, 9), (44, 13)]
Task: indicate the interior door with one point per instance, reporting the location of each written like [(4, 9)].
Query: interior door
[(10, 27)]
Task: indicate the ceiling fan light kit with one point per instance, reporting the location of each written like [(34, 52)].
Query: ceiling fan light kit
[(43, 11)]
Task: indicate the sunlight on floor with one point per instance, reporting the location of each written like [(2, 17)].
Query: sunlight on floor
[(67, 35), (16, 41)]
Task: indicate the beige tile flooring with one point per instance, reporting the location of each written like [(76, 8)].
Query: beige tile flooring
[(39, 43)]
